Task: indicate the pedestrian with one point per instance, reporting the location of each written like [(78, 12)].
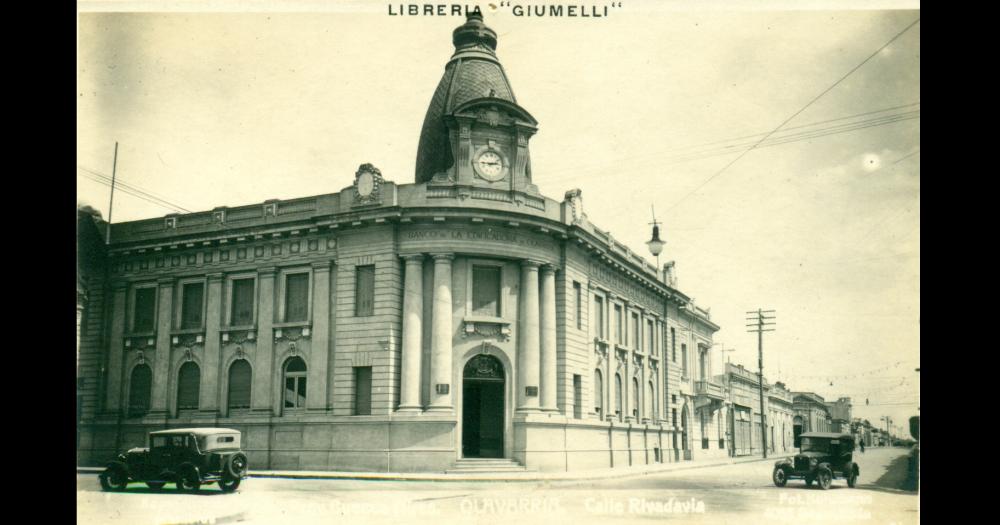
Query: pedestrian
[(862, 447)]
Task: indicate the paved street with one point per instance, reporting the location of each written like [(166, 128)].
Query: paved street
[(739, 493)]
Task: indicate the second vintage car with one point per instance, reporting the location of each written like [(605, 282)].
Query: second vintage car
[(189, 457), (822, 457)]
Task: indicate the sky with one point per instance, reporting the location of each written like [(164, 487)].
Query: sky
[(651, 107)]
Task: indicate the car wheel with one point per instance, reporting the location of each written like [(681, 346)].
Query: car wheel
[(780, 477), (228, 484), (155, 485), (824, 478), (236, 465), (114, 479), (188, 480), (852, 480)]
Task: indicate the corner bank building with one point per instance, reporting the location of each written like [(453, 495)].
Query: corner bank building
[(403, 327)]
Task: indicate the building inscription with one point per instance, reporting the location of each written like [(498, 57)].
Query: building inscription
[(474, 235)]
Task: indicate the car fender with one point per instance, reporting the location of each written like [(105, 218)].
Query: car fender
[(782, 462), (187, 465), (119, 464)]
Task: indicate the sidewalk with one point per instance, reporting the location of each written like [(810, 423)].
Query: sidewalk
[(607, 473)]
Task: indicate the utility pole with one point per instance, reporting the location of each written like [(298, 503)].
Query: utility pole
[(761, 321), (114, 168)]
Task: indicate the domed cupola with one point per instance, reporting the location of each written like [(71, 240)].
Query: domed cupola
[(474, 132)]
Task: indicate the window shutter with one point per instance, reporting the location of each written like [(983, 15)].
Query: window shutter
[(239, 385), (139, 390), (297, 297), (188, 386), (364, 291), (243, 299), (486, 290), (362, 390), (598, 393), (145, 307), (192, 305)]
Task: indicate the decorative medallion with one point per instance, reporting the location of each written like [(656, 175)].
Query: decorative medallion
[(483, 367), (367, 184)]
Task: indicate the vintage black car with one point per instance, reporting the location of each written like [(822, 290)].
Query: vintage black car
[(822, 457), (189, 457)]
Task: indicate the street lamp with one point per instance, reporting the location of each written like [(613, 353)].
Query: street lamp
[(654, 244)]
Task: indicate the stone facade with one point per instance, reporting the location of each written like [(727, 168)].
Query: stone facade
[(403, 327)]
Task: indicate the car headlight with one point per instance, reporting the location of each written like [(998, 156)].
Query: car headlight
[(812, 461)]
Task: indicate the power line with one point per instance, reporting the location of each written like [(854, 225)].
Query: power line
[(797, 113), (674, 158), (132, 190)]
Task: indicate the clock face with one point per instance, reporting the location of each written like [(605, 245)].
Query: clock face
[(366, 183), (490, 165)]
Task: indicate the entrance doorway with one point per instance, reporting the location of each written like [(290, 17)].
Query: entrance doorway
[(482, 408)]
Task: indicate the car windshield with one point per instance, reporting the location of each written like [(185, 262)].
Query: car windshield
[(815, 445)]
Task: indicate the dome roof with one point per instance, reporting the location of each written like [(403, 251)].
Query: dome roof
[(473, 72)]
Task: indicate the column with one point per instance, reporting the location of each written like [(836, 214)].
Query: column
[(209, 390), (161, 367), (441, 335), (413, 319), (319, 355), (548, 377), (116, 346), (263, 355), (528, 331)]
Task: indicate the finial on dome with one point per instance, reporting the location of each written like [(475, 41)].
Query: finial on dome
[(474, 32)]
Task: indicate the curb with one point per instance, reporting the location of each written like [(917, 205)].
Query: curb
[(528, 477)]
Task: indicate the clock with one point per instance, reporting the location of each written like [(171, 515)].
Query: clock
[(490, 165)]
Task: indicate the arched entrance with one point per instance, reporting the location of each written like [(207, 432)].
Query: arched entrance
[(482, 408), (796, 430)]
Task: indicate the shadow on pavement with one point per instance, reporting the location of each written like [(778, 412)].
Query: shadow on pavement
[(897, 478)]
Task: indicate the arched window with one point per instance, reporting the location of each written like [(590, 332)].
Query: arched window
[(295, 383), (618, 397), (239, 385), (598, 394), (140, 385), (188, 383), (635, 397)]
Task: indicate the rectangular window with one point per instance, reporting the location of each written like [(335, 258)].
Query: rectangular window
[(673, 344), (650, 338), (192, 302), (578, 296), (636, 340), (598, 317), (241, 313), (673, 416), (364, 291), (486, 291), (145, 310), (577, 397), (684, 359), (362, 390), (297, 297), (618, 325)]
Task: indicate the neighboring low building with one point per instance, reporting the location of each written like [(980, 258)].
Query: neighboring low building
[(840, 414), (811, 414), (745, 409), (781, 418)]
